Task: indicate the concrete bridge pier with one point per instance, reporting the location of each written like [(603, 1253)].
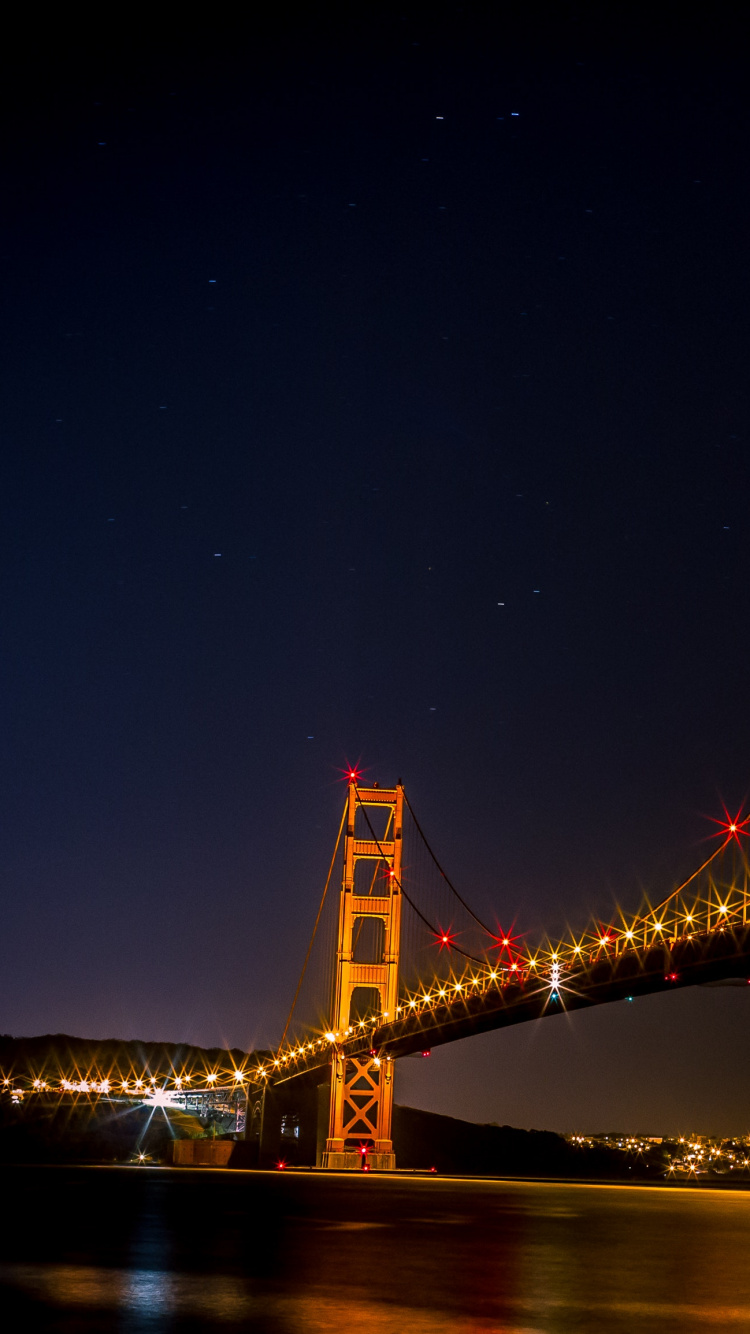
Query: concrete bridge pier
[(288, 1122)]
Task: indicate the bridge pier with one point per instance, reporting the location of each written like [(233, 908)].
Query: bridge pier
[(288, 1123), (360, 1114)]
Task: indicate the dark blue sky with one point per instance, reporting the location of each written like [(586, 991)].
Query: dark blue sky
[(372, 389)]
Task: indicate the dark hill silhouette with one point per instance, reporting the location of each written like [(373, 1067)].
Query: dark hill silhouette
[(423, 1140), (56, 1053)]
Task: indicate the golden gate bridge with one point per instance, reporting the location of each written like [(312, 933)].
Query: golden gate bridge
[(400, 962)]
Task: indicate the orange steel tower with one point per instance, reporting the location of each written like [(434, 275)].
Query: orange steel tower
[(366, 978)]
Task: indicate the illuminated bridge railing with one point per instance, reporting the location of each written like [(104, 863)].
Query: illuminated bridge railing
[(174, 1090), (698, 931)]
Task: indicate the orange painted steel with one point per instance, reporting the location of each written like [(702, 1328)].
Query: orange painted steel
[(361, 1104)]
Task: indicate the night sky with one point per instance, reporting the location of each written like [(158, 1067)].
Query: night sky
[(373, 390)]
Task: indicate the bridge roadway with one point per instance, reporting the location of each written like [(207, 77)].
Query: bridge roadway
[(693, 960)]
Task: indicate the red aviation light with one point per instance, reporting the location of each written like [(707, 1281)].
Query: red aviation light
[(732, 826), (505, 940), (445, 939)]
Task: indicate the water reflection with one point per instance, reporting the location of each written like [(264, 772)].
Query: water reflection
[(198, 1251), (221, 1300)]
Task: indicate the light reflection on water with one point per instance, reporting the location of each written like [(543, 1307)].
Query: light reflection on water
[(217, 1300), (387, 1255)]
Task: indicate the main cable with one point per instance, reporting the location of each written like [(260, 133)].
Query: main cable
[(409, 900), (448, 882)]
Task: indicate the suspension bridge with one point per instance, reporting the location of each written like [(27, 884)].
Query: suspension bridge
[(400, 962)]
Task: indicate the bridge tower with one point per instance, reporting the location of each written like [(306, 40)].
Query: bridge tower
[(366, 978)]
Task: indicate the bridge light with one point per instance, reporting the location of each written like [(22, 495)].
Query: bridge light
[(723, 908), (629, 935), (330, 1037), (733, 829), (239, 1076), (605, 940)]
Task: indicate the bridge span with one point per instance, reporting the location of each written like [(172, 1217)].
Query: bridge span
[(400, 962), (698, 933)]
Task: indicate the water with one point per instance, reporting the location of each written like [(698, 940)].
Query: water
[(141, 1249)]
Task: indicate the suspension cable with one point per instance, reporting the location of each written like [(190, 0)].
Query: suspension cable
[(317, 920), (645, 916), (450, 885), (409, 900)]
